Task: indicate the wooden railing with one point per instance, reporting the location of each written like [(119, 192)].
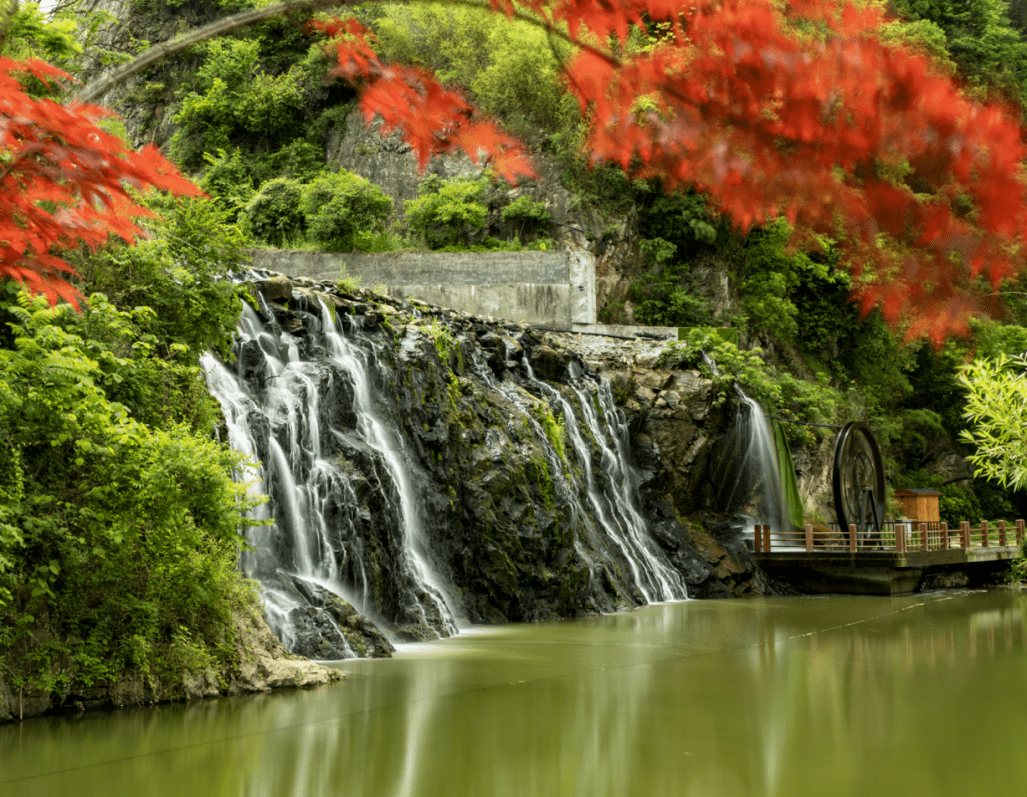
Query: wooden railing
[(894, 536)]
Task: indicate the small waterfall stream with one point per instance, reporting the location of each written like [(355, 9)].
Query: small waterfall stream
[(360, 542), (749, 472)]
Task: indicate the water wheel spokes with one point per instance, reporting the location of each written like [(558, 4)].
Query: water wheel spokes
[(858, 481)]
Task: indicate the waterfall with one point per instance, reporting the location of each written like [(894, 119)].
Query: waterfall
[(361, 541), (748, 478), (613, 498), (317, 547)]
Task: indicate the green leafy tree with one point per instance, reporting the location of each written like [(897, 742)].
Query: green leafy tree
[(343, 210), (233, 100), (447, 213), (980, 39), (227, 179), (178, 273), (118, 540), (511, 69)]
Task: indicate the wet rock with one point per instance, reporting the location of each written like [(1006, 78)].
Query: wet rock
[(277, 289), (548, 364)]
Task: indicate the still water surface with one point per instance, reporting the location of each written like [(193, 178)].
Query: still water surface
[(913, 695)]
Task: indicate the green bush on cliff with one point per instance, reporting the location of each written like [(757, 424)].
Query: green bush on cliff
[(343, 210), (274, 214), (511, 68), (178, 273), (446, 213), (227, 179), (233, 100)]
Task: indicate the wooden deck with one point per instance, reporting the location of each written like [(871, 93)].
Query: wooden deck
[(895, 562)]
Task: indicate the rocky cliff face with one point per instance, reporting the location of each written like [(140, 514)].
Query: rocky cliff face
[(427, 468)]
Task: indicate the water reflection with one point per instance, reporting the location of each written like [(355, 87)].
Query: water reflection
[(915, 694)]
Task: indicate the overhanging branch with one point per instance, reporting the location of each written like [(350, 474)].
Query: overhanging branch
[(97, 88)]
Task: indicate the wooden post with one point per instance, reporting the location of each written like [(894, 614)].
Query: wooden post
[(924, 546), (985, 542), (766, 539), (852, 538), (1002, 533), (809, 537), (1019, 532), (964, 529), (944, 536), (757, 535), (900, 537)]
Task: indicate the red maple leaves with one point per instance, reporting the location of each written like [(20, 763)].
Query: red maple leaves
[(64, 182), (802, 112), (798, 111)]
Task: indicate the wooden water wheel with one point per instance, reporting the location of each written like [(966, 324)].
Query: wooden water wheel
[(858, 481)]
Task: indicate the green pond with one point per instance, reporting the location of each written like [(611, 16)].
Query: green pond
[(912, 695)]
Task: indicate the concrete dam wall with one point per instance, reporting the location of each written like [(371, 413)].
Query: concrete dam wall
[(550, 289)]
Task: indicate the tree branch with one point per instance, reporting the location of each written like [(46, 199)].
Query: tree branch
[(97, 88)]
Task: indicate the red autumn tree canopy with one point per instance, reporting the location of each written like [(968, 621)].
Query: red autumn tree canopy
[(64, 182), (798, 111)]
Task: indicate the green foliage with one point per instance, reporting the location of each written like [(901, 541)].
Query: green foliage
[(232, 101), (678, 227), (301, 160), (683, 219), (228, 181), (767, 276), (527, 212), (511, 68), (779, 393), (159, 384), (993, 339), (555, 429), (118, 540), (178, 274), (26, 32), (441, 338), (979, 38), (274, 215), (446, 213), (996, 407), (343, 210)]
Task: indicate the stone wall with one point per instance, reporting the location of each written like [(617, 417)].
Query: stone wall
[(549, 289)]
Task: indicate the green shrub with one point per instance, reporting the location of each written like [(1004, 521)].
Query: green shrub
[(274, 214), (301, 160), (227, 179), (447, 213), (234, 103), (338, 206), (118, 540), (527, 212), (176, 273)]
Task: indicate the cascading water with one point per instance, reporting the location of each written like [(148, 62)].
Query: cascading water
[(613, 502), (361, 434), (317, 547), (609, 513), (755, 493), (749, 472)]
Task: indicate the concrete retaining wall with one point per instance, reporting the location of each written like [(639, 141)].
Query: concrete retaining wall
[(552, 289)]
